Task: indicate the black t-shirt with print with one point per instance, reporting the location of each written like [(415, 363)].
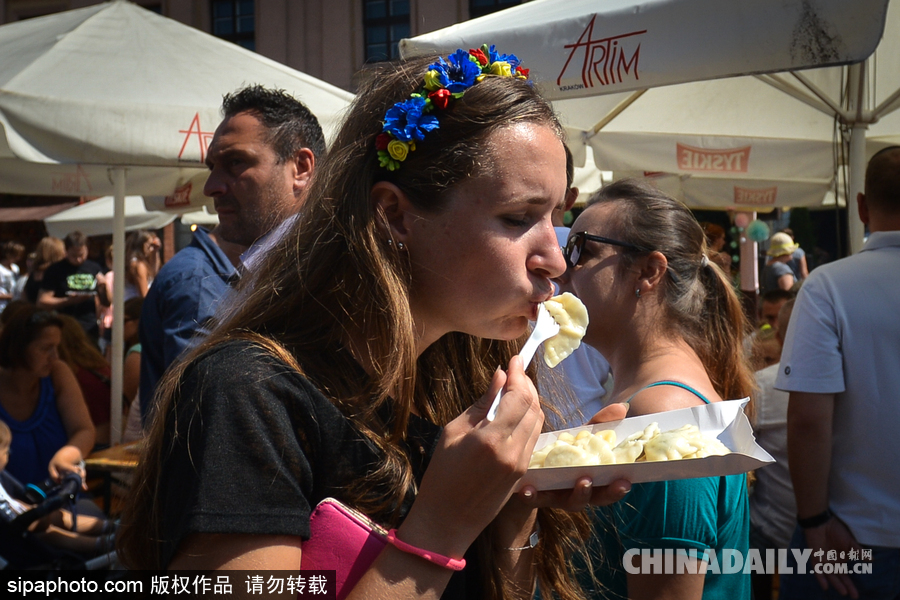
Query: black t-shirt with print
[(64, 279)]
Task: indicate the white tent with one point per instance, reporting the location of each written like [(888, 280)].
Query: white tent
[(114, 98), (734, 142), (96, 217)]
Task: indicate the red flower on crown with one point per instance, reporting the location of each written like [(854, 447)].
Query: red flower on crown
[(479, 55), (382, 141), (440, 98)]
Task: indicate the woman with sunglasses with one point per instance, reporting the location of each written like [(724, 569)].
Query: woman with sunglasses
[(671, 326)]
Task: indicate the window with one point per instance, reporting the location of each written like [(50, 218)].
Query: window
[(234, 20), (386, 22), (479, 8)]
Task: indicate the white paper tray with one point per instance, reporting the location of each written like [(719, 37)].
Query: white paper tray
[(723, 420)]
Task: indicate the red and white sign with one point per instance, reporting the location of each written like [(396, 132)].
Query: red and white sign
[(71, 182), (203, 137), (602, 61), (180, 197), (755, 196), (725, 160)]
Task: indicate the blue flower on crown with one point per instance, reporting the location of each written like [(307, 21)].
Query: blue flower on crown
[(457, 73), (494, 56), (407, 122)]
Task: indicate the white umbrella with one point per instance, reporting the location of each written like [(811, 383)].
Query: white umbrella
[(96, 217), (114, 98), (730, 142), (201, 217), (582, 48)]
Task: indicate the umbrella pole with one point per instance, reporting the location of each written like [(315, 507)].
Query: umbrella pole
[(118, 334), (857, 160)]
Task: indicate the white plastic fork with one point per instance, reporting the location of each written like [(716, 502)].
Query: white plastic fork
[(544, 328)]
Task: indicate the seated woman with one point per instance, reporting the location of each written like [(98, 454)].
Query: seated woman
[(92, 372), (40, 400), (671, 326), (363, 357)]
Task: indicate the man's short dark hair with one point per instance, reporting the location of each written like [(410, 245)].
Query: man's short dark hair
[(883, 180), (76, 239), (570, 167), (290, 125), (11, 249), (779, 295)]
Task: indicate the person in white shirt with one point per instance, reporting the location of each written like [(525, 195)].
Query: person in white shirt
[(839, 363)]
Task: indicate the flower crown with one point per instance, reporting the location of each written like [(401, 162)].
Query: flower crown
[(407, 122)]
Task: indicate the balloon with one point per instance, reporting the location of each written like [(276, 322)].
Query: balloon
[(757, 231), (741, 219)]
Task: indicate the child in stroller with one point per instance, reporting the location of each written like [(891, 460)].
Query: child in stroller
[(85, 535)]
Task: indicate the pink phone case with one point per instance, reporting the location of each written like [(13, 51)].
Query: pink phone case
[(343, 540)]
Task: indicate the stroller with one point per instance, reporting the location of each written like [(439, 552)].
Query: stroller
[(20, 549)]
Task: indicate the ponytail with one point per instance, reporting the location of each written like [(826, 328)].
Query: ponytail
[(718, 335)]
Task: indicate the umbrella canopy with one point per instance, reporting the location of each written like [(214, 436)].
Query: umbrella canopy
[(96, 217), (741, 142), (582, 48), (116, 84), (114, 98)]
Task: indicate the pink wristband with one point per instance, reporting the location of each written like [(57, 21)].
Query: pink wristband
[(432, 557)]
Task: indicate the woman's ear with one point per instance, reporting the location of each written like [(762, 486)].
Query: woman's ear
[(652, 271), (393, 209)]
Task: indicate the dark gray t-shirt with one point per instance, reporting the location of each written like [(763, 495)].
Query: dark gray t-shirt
[(258, 446)]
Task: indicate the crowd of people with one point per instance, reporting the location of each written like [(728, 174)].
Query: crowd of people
[(55, 382), (338, 335)]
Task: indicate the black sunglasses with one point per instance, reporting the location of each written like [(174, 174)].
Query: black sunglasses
[(572, 251)]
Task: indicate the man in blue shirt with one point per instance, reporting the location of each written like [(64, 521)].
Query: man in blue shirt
[(260, 161)]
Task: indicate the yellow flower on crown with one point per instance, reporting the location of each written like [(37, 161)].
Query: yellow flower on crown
[(502, 68), (433, 81), (398, 150)]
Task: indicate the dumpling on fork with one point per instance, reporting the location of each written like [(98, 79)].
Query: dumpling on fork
[(572, 317)]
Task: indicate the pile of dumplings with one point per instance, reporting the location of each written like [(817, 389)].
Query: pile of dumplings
[(600, 448)]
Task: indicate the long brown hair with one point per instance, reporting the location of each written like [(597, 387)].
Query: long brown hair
[(701, 304), (48, 251), (134, 250), (333, 278), (76, 349)]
